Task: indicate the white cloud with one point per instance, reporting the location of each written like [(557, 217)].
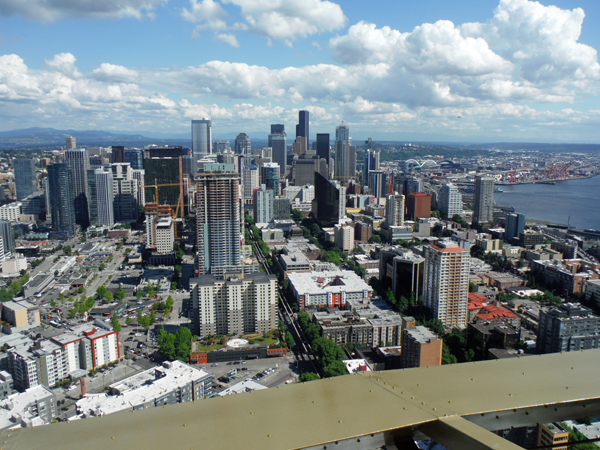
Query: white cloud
[(116, 74), (206, 11), (228, 38), (51, 10)]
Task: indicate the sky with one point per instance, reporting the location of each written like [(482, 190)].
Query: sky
[(470, 70)]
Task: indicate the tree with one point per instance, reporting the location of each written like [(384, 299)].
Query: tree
[(376, 239), (472, 287), (128, 321), (183, 344), (120, 294), (102, 266), (297, 215), (308, 376), (152, 317), (166, 344), (169, 302), (139, 317), (139, 294), (289, 340), (145, 322), (335, 369), (114, 322), (101, 291), (108, 297)]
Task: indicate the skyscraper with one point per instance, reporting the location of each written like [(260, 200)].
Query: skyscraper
[(201, 138), (263, 204), (218, 222), (125, 193), (446, 283), (278, 142), (323, 146), (329, 204), (345, 154), (92, 196), (78, 162), (8, 237), (243, 146), (220, 146), (62, 210), (394, 210), (371, 162), (105, 196), (378, 181), (118, 154), (270, 177), (135, 157), (483, 209), (163, 171), (25, 181), (302, 127), (515, 225), (71, 142), (449, 201), (251, 181)]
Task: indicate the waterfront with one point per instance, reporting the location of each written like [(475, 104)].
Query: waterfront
[(579, 199)]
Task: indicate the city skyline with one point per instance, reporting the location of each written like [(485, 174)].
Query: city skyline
[(488, 70)]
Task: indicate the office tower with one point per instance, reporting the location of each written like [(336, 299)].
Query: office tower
[(25, 180), (138, 176), (218, 221), (302, 127), (515, 225), (135, 158), (568, 327), (329, 204), (483, 208), (118, 154), (125, 191), (303, 170), (251, 182), (323, 146), (220, 146), (345, 154), (394, 210), (62, 205), (163, 171), (407, 184), (8, 237), (300, 147), (278, 142), (270, 177), (402, 270), (163, 151), (282, 208), (71, 142), (243, 145), (418, 205), (263, 204), (378, 181), (371, 162), (446, 283), (344, 237), (201, 138), (449, 201), (77, 161), (92, 196), (237, 304), (104, 196)]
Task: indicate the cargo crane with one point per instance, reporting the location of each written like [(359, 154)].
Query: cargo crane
[(558, 172)]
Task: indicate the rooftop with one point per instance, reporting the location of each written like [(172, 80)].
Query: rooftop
[(316, 283)]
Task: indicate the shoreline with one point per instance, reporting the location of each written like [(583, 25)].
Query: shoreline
[(549, 182)]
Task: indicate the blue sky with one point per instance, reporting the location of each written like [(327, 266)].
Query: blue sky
[(464, 71)]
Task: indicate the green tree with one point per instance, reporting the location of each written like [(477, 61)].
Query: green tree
[(152, 317), (108, 296), (101, 291), (289, 340), (472, 287), (183, 344), (128, 321), (120, 294), (334, 369), (166, 344), (139, 294), (114, 322), (145, 322), (102, 267), (308, 376), (73, 313), (52, 303), (169, 302), (376, 239)]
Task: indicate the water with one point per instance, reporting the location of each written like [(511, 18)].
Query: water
[(579, 199)]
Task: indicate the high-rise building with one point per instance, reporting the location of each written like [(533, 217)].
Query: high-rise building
[(138, 175), (166, 171), (220, 146), (394, 210), (282, 208), (418, 205), (62, 209), (323, 146), (515, 225), (449, 201), (483, 208), (165, 235), (92, 196), (345, 154), (407, 184), (371, 162), (378, 182), (118, 154), (344, 237), (236, 304), (278, 142), (105, 196), (71, 142), (302, 127), (125, 191), (270, 177), (25, 180), (568, 327), (446, 283), (263, 204), (402, 270), (251, 182), (420, 348), (201, 138), (164, 151), (8, 237), (329, 204), (135, 157), (243, 146), (218, 221), (78, 162)]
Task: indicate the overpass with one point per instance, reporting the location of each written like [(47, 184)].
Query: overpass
[(457, 405)]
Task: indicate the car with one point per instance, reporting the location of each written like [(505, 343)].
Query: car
[(229, 363), (244, 368), (214, 365)]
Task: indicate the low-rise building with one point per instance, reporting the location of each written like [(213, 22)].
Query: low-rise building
[(11, 212), (551, 434), (569, 274), (14, 265), (342, 327), (20, 314), (592, 291), (420, 348), (36, 406), (173, 382), (568, 327)]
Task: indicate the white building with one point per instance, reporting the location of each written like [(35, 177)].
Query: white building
[(446, 282), (165, 235), (263, 205), (344, 237), (394, 210), (105, 196), (301, 194), (450, 201), (11, 211), (251, 182), (138, 176), (13, 265), (36, 406)]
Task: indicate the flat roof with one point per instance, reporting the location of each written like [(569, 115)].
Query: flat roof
[(317, 283)]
